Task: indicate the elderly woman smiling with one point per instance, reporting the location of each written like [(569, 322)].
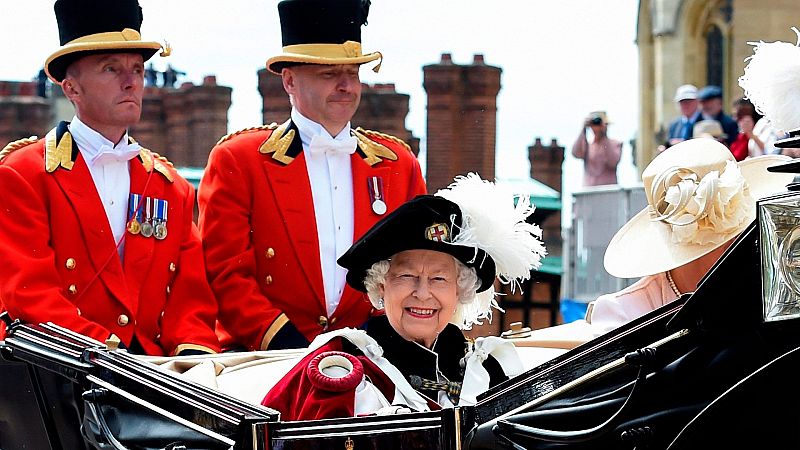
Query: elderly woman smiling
[(431, 266)]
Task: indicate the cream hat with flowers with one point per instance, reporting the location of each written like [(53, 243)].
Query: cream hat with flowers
[(698, 198)]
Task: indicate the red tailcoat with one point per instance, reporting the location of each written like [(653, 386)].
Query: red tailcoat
[(60, 262), (260, 234)]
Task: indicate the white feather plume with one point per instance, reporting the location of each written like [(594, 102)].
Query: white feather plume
[(771, 81), (493, 222)]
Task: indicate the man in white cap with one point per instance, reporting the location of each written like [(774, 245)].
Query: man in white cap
[(680, 129)]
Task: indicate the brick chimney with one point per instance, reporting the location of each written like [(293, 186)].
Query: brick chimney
[(382, 108), (546, 163), (546, 167), (184, 124), (462, 119)]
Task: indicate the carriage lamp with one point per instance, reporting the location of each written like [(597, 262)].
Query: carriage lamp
[(779, 229)]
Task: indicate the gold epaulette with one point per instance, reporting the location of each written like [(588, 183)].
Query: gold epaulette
[(375, 152), (162, 159), (388, 137), (16, 145), (152, 160), (271, 126)]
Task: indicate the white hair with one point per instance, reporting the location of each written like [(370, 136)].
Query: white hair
[(472, 307)]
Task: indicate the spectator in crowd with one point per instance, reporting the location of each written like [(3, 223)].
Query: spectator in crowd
[(96, 232), (709, 128), (601, 157), (756, 136), (151, 76), (680, 129), (279, 204), (711, 108)]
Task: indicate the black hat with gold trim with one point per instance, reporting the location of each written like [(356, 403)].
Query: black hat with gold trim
[(474, 220), (322, 32), (97, 26)]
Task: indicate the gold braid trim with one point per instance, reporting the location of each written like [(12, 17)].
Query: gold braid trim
[(375, 152), (278, 143), (388, 137), (152, 160), (16, 145), (271, 126)]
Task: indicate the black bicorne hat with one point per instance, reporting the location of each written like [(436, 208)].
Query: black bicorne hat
[(426, 222), (321, 32), (97, 26)]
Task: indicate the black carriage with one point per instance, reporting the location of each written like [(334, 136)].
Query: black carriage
[(711, 369)]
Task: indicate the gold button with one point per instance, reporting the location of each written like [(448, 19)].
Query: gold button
[(70, 264), (122, 320), (268, 279), (270, 253), (72, 289), (172, 267), (169, 290), (323, 321)]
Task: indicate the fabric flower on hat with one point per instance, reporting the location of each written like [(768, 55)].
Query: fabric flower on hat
[(716, 206)]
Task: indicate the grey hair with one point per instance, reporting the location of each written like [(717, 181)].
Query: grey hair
[(467, 282)]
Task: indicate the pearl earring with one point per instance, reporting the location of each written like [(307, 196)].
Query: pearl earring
[(380, 303)]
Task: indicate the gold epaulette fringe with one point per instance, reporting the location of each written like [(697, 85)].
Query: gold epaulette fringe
[(388, 137), (271, 126), (162, 159), (16, 145), (153, 161)]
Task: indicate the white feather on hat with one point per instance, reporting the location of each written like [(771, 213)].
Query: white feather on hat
[(771, 81), (493, 223)]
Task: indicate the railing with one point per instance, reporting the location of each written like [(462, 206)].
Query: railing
[(597, 214)]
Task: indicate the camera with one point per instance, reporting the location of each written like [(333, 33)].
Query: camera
[(595, 121)]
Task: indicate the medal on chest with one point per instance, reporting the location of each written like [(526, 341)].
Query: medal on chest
[(376, 195)]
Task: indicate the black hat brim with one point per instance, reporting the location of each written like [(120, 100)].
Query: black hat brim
[(404, 229)]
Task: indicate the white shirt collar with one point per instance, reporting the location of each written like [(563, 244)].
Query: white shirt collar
[(90, 141), (308, 128)]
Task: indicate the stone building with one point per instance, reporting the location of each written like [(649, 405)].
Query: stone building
[(699, 42)]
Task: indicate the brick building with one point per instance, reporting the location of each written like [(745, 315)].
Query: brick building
[(23, 113), (546, 166), (462, 119), (382, 108), (184, 124)]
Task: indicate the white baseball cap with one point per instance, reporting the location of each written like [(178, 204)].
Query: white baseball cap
[(686, 92)]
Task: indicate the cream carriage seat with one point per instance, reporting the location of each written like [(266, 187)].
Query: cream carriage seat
[(247, 376)]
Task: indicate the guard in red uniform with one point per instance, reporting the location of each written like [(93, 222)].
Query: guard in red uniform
[(96, 232), (280, 203)]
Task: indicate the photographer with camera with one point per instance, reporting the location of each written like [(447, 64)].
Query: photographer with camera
[(601, 157)]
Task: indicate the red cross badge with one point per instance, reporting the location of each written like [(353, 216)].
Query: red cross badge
[(437, 232)]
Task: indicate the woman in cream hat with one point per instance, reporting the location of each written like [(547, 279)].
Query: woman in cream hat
[(699, 200)]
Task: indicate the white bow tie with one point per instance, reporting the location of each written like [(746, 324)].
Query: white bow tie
[(322, 144), (122, 153)]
